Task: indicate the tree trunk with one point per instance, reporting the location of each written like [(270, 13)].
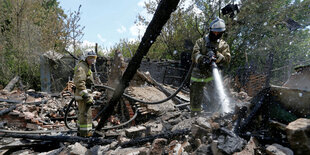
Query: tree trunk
[(161, 16)]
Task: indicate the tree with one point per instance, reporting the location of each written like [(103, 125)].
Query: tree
[(73, 30), (257, 37), (179, 30), (28, 29), (162, 14)]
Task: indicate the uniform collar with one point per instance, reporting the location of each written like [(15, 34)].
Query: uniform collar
[(211, 44), (207, 39), (85, 63)]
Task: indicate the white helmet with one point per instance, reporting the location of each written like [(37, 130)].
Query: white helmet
[(88, 53), (218, 25)]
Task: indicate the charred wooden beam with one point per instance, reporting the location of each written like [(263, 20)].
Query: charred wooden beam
[(161, 16), (166, 135), (18, 102), (70, 139), (241, 114), (5, 111), (36, 103), (9, 101), (258, 102), (23, 145)]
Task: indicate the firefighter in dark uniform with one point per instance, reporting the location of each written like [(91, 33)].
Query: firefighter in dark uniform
[(207, 49)]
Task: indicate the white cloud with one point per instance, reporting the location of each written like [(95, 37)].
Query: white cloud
[(132, 39), (190, 3), (137, 29), (87, 43), (187, 4), (141, 3), (101, 38), (197, 10), (142, 11), (103, 51), (122, 29)]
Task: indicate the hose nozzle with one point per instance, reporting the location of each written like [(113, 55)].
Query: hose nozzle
[(214, 65)]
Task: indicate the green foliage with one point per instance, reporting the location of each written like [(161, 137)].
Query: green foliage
[(257, 37), (180, 28), (128, 48), (252, 39), (28, 29)]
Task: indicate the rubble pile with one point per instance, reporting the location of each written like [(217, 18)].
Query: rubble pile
[(165, 129), (33, 110), (34, 123)]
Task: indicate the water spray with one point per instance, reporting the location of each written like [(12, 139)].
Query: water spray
[(223, 98)]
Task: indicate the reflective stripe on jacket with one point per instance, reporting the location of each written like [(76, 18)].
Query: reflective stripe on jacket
[(202, 79)]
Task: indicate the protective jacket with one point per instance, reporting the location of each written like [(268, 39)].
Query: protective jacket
[(202, 47), (200, 77), (83, 78)]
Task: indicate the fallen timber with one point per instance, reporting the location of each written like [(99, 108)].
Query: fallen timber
[(166, 135), (22, 102), (258, 102), (70, 139), (5, 111), (161, 16), (35, 132), (9, 101)]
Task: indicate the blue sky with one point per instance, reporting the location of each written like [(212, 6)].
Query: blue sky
[(107, 21)]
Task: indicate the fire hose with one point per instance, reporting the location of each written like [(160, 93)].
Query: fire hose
[(107, 128), (131, 98), (155, 102)]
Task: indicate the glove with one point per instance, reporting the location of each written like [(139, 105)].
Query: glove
[(84, 93), (90, 100), (211, 56), (203, 62), (220, 57), (87, 97)]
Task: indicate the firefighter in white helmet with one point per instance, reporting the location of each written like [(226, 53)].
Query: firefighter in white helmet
[(83, 79), (207, 49)]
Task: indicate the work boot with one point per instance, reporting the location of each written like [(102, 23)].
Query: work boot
[(89, 134), (85, 133)]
